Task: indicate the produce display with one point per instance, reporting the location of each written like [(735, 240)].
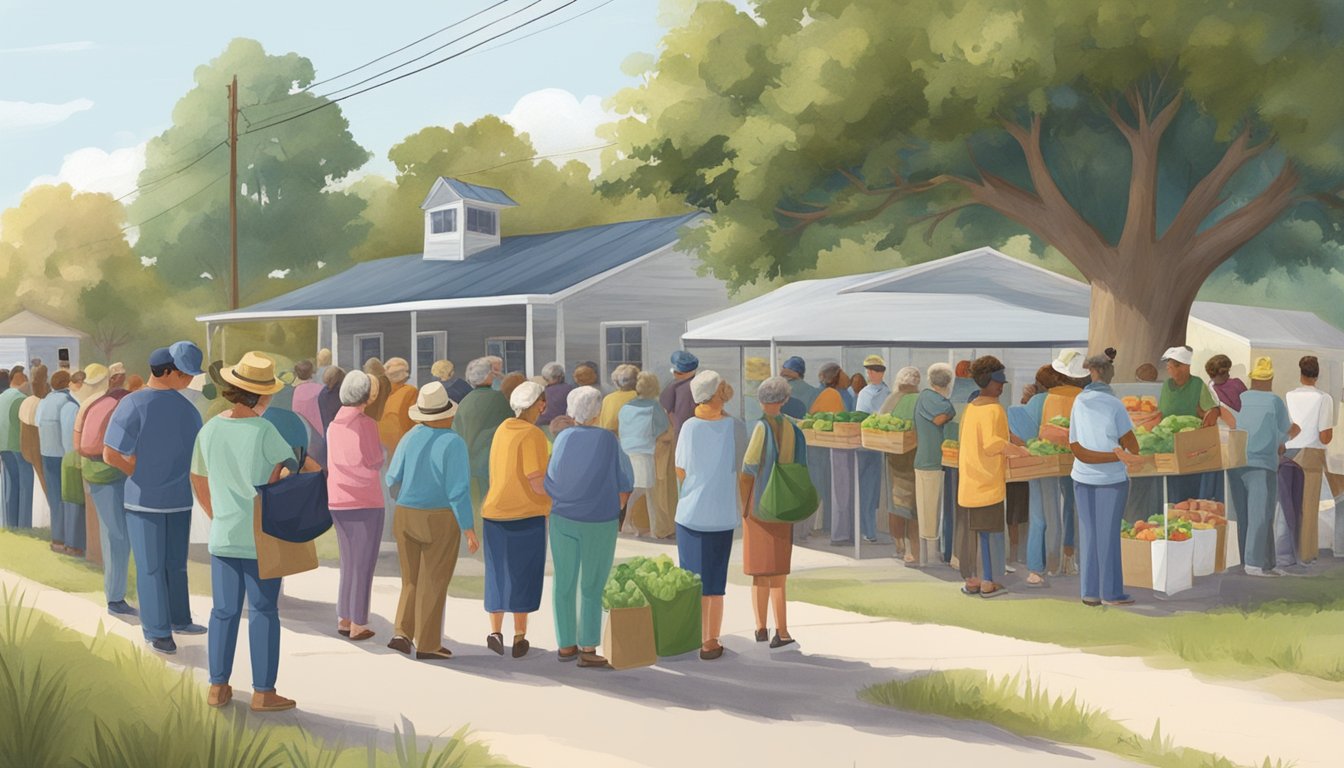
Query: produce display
[(888, 423), (659, 577), (1152, 530), (1202, 515), (1145, 404), (1162, 438), (621, 590), (1059, 421), (951, 445), (1039, 447)]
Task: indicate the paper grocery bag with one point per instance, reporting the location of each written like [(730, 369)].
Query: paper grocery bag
[(1231, 549), (276, 557), (1173, 566), (1206, 551), (1136, 563), (628, 640)]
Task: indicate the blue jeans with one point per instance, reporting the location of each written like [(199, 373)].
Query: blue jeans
[(18, 489), (949, 511), (1100, 510), (159, 541), (842, 496), (108, 501), (1070, 512), (1043, 527), (870, 491), (991, 556), (67, 520), (1255, 493), (231, 579)]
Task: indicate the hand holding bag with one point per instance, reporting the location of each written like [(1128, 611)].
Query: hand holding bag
[(72, 478), (288, 515)]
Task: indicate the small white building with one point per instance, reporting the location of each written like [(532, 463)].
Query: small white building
[(28, 335)]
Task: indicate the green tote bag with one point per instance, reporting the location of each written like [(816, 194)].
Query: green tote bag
[(72, 478), (789, 496)]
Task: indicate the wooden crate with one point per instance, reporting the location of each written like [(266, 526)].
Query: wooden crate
[(831, 440), (888, 442), (847, 428), (1054, 434), (1032, 468)]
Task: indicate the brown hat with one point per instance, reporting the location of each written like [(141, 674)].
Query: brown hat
[(254, 373), (60, 380)]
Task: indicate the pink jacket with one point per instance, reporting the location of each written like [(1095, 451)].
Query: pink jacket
[(354, 456), (305, 404)]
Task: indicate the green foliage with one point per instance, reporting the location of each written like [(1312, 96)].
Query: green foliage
[(806, 128), (1019, 705), (289, 218)]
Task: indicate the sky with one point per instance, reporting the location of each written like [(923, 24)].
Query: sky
[(83, 85)]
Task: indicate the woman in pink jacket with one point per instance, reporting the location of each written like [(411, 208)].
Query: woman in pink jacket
[(354, 493)]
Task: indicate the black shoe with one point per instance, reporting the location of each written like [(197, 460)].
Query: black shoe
[(711, 655), (520, 647), (495, 642), (780, 642), (443, 654), (121, 608), (189, 629), (402, 644), (164, 645), (762, 635)]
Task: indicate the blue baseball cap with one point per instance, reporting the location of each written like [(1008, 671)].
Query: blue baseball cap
[(187, 357), (999, 376), (797, 365), (160, 357), (684, 362)]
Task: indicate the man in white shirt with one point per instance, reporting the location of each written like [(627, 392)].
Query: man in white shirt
[(1314, 412)]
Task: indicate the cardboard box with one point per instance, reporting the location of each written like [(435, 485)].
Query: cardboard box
[(951, 456), (888, 442), (831, 440), (1162, 566), (1136, 563), (628, 640), (1220, 554), (1199, 450), (1146, 469), (1233, 443)]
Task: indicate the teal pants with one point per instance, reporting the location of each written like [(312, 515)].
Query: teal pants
[(581, 554)]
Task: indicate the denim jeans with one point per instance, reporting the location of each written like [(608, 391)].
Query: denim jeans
[(870, 491), (1100, 510), (949, 512), (842, 496), (159, 541), (1070, 513), (1043, 528), (991, 556), (109, 500), (18, 490), (67, 520), (231, 579), (1257, 492)]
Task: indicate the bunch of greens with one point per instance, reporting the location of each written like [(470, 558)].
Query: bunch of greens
[(659, 578), (621, 590)]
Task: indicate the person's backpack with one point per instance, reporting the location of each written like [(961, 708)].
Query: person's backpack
[(789, 495)]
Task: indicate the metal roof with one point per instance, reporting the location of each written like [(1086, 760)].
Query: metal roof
[(519, 269), (977, 298), (27, 324), (465, 191)]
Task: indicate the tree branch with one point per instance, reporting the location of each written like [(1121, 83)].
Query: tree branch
[(1140, 230), (939, 218), (1216, 244), (893, 194), (1205, 198)]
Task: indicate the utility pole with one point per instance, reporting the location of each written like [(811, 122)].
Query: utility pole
[(233, 193)]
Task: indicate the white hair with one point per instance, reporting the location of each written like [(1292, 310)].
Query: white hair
[(584, 404), (624, 376), (940, 375), (479, 371), (355, 388), (775, 389), (705, 386), (553, 373), (908, 377), (524, 396)]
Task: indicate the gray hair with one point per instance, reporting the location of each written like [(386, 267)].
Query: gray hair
[(584, 404), (940, 375), (1103, 365), (496, 360), (355, 388), (775, 389), (624, 377), (908, 377), (553, 373), (479, 371), (647, 385)]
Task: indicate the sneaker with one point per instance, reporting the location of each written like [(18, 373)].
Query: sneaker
[(164, 645), (1008, 568), (1251, 570), (1277, 572), (121, 608), (870, 539), (189, 629)]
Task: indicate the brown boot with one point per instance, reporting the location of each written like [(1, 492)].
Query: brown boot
[(271, 701), (219, 695)]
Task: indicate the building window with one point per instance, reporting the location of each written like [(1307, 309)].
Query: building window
[(513, 351), (441, 222), (623, 343), (482, 221), (431, 346), (367, 345)]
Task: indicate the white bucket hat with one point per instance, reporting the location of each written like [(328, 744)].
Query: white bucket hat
[(525, 396), (1182, 355), (433, 404), (704, 386), (1070, 363)]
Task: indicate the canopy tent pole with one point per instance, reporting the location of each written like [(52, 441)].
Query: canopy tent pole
[(774, 358), (531, 341), (335, 343), (208, 358), (560, 332), (415, 348)]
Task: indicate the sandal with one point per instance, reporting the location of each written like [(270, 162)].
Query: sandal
[(363, 634), (1039, 583), (568, 653), (762, 635), (993, 592), (1091, 602), (968, 591)]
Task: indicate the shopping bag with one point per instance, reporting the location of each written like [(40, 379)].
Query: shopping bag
[(628, 640), (1205, 561), (72, 479), (676, 622), (1173, 566), (1231, 547), (789, 496), (277, 557), (294, 508)]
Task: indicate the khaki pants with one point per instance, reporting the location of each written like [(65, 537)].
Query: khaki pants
[(1312, 461), (427, 543), (929, 501), (665, 491)]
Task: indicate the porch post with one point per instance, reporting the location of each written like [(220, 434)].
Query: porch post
[(335, 343), (560, 332), (531, 342), (208, 358), (415, 348)]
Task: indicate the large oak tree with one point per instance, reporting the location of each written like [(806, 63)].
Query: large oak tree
[(1149, 141)]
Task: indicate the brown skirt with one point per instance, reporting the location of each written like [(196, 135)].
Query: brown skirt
[(988, 519), (767, 548)]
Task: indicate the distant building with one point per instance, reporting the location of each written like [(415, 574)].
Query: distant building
[(29, 335), (616, 293)]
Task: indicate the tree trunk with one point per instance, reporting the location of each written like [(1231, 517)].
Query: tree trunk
[(1140, 313)]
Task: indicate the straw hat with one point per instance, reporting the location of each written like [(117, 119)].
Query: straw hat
[(254, 373), (95, 374), (1070, 363), (433, 404)]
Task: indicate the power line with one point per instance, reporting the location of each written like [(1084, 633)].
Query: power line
[(168, 176), (404, 75), (164, 212), (581, 150), (560, 23)]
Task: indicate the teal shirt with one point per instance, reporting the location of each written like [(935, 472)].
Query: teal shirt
[(434, 472), (236, 455), (10, 400), (1265, 419), (929, 437)]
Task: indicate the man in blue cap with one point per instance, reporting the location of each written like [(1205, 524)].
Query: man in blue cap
[(794, 370), (680, 406), (150, 438)]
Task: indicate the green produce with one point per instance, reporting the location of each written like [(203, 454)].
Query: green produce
[(1059, 421), (806, 423), (621, 590), (888, 423), (952, 444), (1178, 424), (1040, 447), (824, 426), (821, 416), (660, 578)]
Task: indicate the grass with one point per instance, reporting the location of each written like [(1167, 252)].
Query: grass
[(67, 699), (28, 553), (1017, 705), (1298, 633)]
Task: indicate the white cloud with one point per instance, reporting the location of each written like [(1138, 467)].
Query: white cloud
[(70, 47), (93, 170), (559, 122), (26, 115)]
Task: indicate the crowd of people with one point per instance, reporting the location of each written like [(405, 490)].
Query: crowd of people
[(516, 468)]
